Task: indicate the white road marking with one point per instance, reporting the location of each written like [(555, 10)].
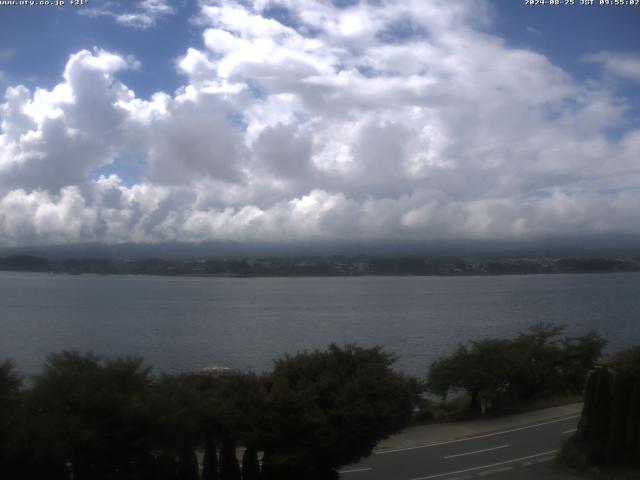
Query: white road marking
[(542, 460), (427, 445), (486, 466), (495, 470), (477, 451), (570, 431), (356, 470)]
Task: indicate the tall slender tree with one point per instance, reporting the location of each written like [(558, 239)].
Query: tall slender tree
[(250, 464), (229, 467), (210, 459)]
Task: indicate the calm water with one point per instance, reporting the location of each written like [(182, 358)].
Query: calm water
[(181, 324)]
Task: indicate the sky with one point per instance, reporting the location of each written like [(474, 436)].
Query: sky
[(152, 121)]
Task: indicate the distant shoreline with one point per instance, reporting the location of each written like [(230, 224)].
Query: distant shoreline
[(336, 266), (303, 275)]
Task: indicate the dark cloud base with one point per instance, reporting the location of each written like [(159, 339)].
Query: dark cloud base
[(568, 246)]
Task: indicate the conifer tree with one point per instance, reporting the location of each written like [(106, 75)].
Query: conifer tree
[(210, 460), (187, 464), (229, 467), (250, 464)]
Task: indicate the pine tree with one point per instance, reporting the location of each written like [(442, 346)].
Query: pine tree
[(229, 467), (188, 465), (600, 421), (167, 467), (616, 434), (250, 464), (210, 460), (632, 434)]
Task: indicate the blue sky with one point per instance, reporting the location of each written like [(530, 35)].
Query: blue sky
[(254, 119), (41, 39), (566, 35)]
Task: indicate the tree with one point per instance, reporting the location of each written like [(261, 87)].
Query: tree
[(498, 372), (447, 373), (10, 417), (609, 428), (92, 413), (228, 408), (328, 408), (580, 355), (231, 405), (177, 410), (187, 464), (229, 467), (485, 371), (537, 357), (210, 459), (250, 464)]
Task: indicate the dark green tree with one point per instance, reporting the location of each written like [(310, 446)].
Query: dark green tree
[(250, 464), (608, 431), (11, 426), (486, 371), (447, 373), (177, 409), (210, 459), (500, 372), (537, 357), (329, 408), (579, 356), (91, 413), (167, 465), (229, 467), (187, 464)]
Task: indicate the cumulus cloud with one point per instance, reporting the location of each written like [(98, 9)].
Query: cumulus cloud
[(310, 121), (53, 138)]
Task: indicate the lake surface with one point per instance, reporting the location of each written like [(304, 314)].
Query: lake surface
[(186, 323)]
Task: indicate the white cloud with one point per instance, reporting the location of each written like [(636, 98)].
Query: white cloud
[(623, 65), (52, 139), (385, 120), (144, 14)]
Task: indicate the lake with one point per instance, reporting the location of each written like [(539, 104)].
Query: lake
[(187, 323)]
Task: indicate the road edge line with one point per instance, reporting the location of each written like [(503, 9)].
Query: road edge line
[(454, 440)]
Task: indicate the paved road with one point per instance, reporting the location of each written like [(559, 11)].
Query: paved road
[(489, 455)]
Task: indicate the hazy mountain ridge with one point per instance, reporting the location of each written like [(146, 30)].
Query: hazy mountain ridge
[(322, 266)]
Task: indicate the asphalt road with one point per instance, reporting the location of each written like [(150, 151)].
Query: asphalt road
[(492, 455)]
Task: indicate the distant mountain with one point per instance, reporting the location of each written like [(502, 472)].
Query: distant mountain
[(591, 246)]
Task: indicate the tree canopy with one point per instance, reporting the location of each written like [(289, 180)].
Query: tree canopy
[(96, 418), (329, 408), (497, 372)]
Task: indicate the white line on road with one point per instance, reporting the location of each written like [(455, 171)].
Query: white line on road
[(485, 466), (546, 459), (495, 470), (477, 451), (427, 445), (355, 470), (569, 431)]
